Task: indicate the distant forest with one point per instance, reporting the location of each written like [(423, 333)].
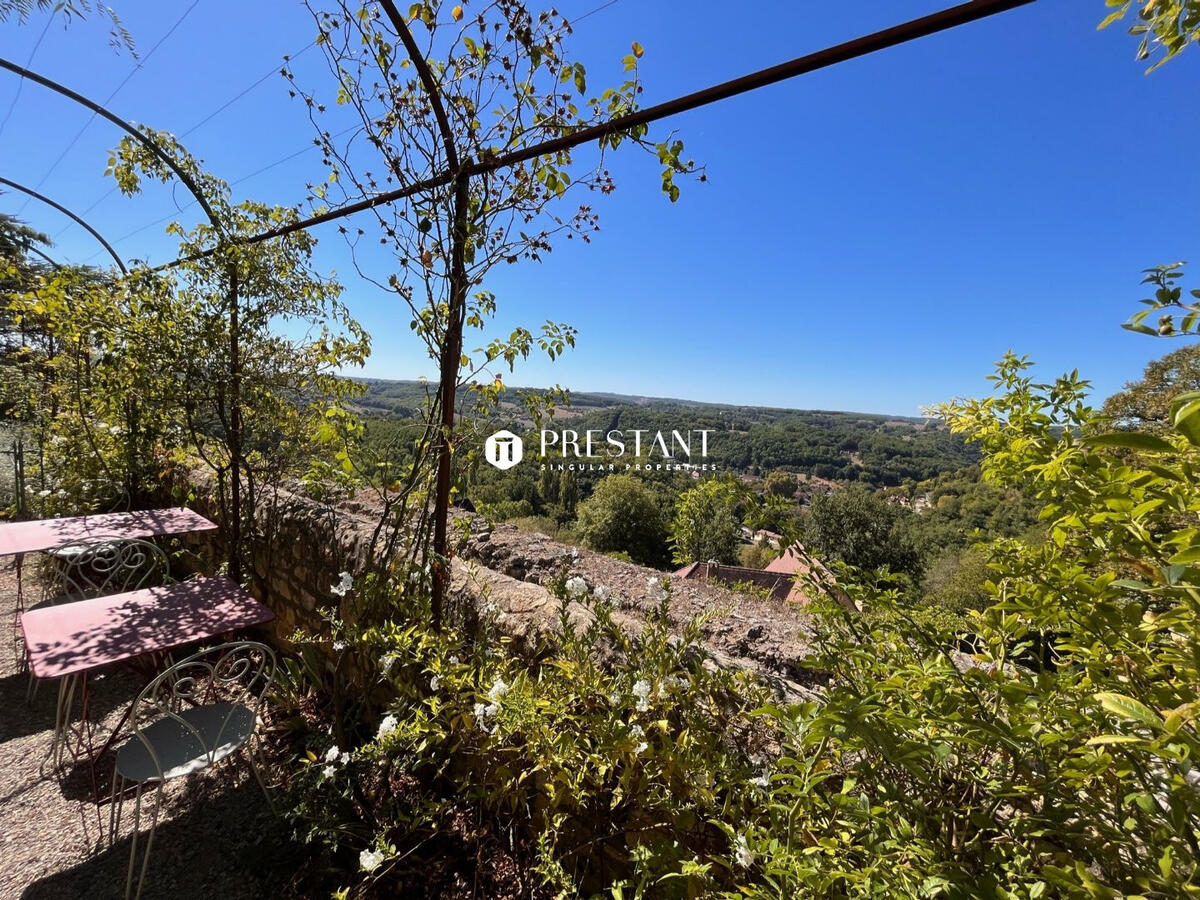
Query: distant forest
[(880, 451)]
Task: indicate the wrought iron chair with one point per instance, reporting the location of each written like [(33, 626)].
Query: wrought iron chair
[(198, 712), (106, 565)]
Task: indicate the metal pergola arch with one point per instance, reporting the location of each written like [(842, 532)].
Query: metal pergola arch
[(45, 256), (71, 215), (235, 424), (459, 172), (936, 22)]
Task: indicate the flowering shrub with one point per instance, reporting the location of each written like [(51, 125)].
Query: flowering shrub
[(605, 760), (1049, 752)]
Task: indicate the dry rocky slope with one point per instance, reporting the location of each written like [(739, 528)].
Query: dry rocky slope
[(512, 568), (309, 543)]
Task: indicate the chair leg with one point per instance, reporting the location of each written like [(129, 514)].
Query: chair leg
[(252, 757), (149, 843), (62, 728), (133, 840), (115, 801)]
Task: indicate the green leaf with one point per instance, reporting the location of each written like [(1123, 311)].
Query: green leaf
[(1186, 418), (1132, 440), (1102, 739), (1185, 557), (1128, 708)]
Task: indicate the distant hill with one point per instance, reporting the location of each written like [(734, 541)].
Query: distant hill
[(880, 450)]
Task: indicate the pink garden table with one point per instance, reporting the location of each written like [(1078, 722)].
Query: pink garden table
[(19, 538), (70, 640)]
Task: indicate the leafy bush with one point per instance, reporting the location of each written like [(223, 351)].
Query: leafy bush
[(623, 516), (596, 775), (1057, 758)]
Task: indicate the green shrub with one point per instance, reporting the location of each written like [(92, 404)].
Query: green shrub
[(602, 774)]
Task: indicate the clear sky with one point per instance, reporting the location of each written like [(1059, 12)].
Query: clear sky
[(871, 237)]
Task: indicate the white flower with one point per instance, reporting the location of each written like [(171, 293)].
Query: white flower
[(499, 689), (332, 753), (339, 645), (434, 682), (640, 748), (600, 592), (641, 690), (329, 771), (387, 662), (386, 727), (343, 586), (344, 758), (742, 853), (484, 714), (637, 731), (576, 588), (760, 782), (370, 860), (44, 493), (454, 660)]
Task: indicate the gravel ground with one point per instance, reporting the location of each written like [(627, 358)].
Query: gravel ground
[(216, 835)]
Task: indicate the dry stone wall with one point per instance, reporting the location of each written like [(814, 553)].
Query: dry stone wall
[(307, 545)]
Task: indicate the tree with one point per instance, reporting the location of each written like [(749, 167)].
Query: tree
[(705, 527), (957, 581), (189, 361), (1166, 26), (623, 515), (568, 492), (780, 484), (1061, 774), (69, 9), (862, 529), (1146, 404), (433, 96)]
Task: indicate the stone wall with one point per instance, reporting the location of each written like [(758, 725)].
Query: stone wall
[(309, 544)]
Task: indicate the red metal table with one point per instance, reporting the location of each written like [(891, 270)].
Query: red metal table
[(19, 538), (70, 640)]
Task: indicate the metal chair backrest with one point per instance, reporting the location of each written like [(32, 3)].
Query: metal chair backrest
[(237, 673), (109, 565)]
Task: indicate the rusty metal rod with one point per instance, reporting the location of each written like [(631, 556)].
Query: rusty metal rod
[(871, 43)]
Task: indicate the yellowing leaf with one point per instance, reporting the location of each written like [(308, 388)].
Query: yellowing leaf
[(638, 49), (456, 13)]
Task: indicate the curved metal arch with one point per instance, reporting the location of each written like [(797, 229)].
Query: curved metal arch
[(45, 256), (124, 126), (66, 212), (943, 20)]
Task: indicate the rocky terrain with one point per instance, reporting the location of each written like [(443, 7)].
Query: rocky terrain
[(512, 568)]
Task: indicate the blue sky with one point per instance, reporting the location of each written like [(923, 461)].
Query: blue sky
[(871, 237)]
